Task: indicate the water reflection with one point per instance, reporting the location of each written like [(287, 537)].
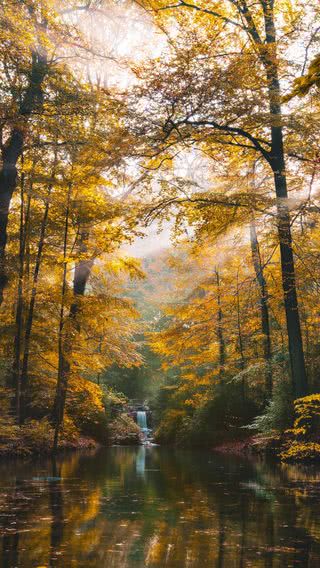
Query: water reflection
[(141, 461), (153, 507)]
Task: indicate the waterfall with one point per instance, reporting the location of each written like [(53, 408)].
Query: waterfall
[(146, 432), (142, 421)]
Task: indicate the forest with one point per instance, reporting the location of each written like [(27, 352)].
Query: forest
[(193, 126)]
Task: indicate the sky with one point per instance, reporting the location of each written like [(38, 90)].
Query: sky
[(121, 34), (152, 243)]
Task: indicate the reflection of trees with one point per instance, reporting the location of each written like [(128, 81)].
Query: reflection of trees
[(56, 507), (11, 550), (175, 508), (289, 529), (10, 541)]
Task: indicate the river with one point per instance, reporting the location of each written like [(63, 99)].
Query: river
[(157, 507)]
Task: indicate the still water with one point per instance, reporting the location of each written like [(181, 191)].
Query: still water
[(157, 507)]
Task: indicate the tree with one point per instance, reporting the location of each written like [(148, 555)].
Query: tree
[(264, 304), (66, 217), (231, 100)]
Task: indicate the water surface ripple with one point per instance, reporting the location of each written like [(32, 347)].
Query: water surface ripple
[(157, 507)]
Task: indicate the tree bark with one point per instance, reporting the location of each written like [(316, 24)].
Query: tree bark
[(14, 379), (277, 161), (222, 347), (24, 378), (58, 405), (12, 151), (240, 339), (82, 273), (264, 305)]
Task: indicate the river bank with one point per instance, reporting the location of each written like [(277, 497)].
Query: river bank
[(36, 437)]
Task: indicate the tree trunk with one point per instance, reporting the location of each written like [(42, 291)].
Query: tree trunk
[(24, 379), (81, 275), (222, 347), (240, 339), (12, 151), (14, 379), (8, 176), (264, 305), (277, 161), (296, 353), (58, 405)]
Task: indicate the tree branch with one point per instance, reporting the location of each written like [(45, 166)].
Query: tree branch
[(232, 130)]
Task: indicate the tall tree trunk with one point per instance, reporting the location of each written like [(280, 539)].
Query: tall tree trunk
[(239, 329), (24, 378), (58, 406), (13, 149), (267, 51), (297, 362), (240, 338), (81, 275), (222, 347), (99, 351), (14, 379), (277, 160), (264, 305)]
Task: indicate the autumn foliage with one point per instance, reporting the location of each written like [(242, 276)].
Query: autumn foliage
[(212, 133)]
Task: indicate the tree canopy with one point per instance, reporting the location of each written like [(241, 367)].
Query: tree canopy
[(207, 127)]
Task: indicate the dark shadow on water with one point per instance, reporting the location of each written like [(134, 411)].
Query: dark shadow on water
[(157, 507), (56, 508)]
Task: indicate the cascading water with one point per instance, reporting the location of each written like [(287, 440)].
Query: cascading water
[(143, 425), (142, 421)]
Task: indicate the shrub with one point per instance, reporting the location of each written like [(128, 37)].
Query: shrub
[(301, 443), (37, 436), (114, 402), (307, 410), (85, 407), (41, 396), (170, 425), (124, 431), (96, 425), (9, 435), (301, 452), (69, 435), (215, 419), (278, 414), (33, 437)]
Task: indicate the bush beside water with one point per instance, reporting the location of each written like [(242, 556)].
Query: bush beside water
[(302, 442), (93, 416), (288, 429)]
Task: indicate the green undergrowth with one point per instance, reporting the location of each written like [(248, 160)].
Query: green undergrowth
[(93, 417)]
